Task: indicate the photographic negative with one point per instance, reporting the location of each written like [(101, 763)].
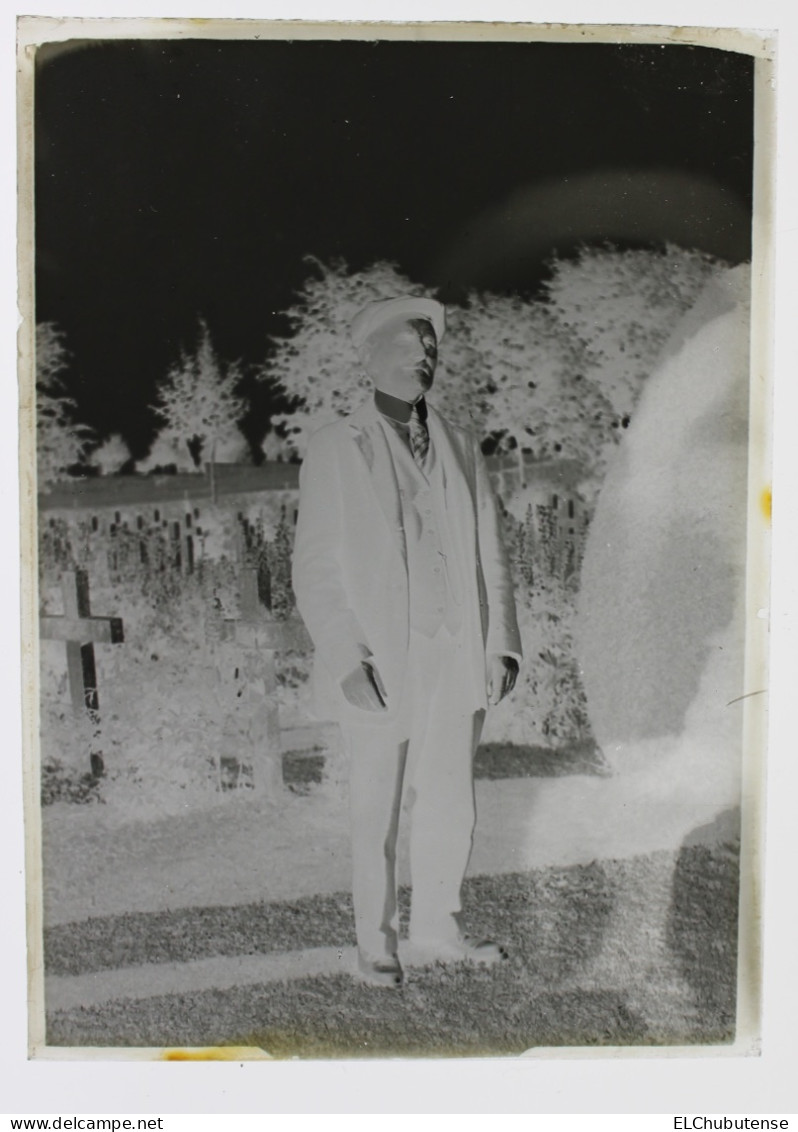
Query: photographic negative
[(401, 504)]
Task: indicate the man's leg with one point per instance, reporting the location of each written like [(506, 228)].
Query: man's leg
[(377, 762), (441, 792)]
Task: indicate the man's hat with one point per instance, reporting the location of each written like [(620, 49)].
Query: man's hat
[(375, 315)]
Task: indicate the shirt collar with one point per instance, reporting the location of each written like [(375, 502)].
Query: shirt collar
[(397, 410)]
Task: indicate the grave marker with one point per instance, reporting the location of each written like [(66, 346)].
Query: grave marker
[(257, 632), (80, 630)]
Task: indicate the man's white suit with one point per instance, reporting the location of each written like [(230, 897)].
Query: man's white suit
[(350, 577)]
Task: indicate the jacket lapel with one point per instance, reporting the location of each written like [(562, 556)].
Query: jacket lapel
[(372, 444), (447, 449)]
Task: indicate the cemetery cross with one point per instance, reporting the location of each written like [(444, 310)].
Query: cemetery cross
[(81, 631), (256, 631)]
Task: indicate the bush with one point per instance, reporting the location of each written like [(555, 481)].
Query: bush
[(178, 700)]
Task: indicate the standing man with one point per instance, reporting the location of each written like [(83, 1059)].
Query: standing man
[(402, 580)]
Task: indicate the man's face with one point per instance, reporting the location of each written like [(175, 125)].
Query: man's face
[(401, 358)]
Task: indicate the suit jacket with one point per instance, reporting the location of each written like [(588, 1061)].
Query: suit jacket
[(350, 560)]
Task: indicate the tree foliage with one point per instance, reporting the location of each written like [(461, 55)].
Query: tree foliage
[(526, 385), (52, 355), (199, 404), (166, 454), (61, 441), (555, 376), (507, 369), (621, 306), (111, 455), (318, 364)]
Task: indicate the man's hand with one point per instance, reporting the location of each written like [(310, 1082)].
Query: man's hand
[(502, 674), (364, 689)]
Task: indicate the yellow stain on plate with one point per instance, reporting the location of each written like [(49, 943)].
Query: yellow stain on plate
[(766, 502), (217, 1053)]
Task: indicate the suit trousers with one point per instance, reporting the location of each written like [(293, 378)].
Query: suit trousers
[(425, 755)]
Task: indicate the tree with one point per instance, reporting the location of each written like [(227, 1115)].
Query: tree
[(525, 382), (198, 403), (232, 446), (277, 448), (164, 453), (507, 369), (61, 441), (318, 364), (111, 455), (554, 377), (52, 356), (622, 307)]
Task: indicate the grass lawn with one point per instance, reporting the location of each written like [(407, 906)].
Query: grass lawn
[(641, 951)]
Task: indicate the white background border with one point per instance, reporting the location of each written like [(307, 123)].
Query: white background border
[(655, 1084)]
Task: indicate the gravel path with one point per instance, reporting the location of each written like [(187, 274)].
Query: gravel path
[(248, 850), (222, 972)]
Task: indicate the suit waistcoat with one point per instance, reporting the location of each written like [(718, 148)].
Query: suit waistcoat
[(434, 589)]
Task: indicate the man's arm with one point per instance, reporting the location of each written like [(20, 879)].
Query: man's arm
[(317, 570), (504, 639)]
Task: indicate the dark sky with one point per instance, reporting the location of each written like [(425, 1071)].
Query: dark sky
[(175, 179)]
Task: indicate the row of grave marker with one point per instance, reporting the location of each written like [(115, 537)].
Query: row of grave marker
[(80, 630), (179, 533), (254, 630)]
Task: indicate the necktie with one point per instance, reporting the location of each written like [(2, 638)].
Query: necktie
[(419, 437)]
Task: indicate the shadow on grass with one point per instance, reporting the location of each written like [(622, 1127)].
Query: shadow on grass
[(511, 760), (60, 784), (702, 932), (440, 1013), (303, 771), (564, 911), (553, 921)]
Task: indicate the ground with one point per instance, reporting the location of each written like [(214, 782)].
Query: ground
[(225, 928)]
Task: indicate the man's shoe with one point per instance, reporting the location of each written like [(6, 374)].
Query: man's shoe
[(386, 972), (462, 949)]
